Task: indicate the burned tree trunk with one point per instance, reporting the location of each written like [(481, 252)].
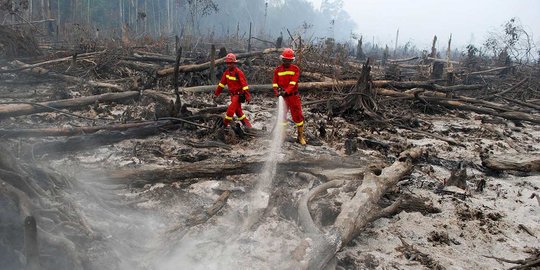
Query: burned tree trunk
[(92, 141), (514, 162), (362, 97), (11, 109), (206, 65), (71, 131), (355, 214), (438, 70), (42, 71)]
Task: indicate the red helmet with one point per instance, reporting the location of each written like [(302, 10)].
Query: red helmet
[(230, 58), (288, 53)]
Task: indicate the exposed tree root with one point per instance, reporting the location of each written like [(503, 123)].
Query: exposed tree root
[(36, 194), (529, 263), (355, 213)]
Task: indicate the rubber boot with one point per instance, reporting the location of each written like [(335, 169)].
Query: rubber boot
[(300, 137), (246, 123), (226, 122)]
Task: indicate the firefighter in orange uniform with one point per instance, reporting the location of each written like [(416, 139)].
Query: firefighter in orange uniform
[(235, 80), (285, 84)]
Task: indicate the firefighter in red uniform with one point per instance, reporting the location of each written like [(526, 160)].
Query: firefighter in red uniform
[(285, 84), (235, 80)]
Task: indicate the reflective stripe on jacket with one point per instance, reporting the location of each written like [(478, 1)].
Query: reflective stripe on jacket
[(235, 80), (286, 78)]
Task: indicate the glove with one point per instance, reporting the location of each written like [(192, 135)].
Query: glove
[(248, 97), (281, 92), (287, 93)]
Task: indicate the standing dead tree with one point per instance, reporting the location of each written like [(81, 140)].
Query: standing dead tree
[(362, 96)]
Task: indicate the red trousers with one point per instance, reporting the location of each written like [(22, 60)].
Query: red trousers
[(236, 107), (295, 106)]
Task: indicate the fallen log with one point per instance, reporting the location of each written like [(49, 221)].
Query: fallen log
[(260, 88), (71, 131), (150, 58), (190, 173), (488, 104), (529, 162), (355, 214), (460, 102), (524, 104), (520, 83), (92, 141), (43, 71), (457, 104), (403, 60), (448, 140), (313, 87), (425, 85), (220, 61), (489, 70), (317, 76), (144, 67), (442, 60), (160, 97), (11, 109), (59, 60), (405, 66)]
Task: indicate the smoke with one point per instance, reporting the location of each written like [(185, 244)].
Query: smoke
[(233, 242), (125, 234), (140, 237)]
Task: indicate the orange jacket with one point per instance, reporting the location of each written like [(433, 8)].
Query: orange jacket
[(286, 78), (234, 80)]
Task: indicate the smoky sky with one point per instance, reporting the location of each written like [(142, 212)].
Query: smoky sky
[(469, 21)]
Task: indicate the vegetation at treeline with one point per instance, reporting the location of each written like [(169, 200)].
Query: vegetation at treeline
[(219, 19), (215, 17)]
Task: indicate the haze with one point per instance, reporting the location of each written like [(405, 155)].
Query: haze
[(418, 20)]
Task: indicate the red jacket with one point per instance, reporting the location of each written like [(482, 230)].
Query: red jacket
[(234, 80), (286, 78)]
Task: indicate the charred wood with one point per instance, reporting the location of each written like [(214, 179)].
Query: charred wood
[(514, 162), (72, 131), (403, 60), (42, 71), (23, 108), (79, 143), (54, 61), (188, 173), (356, 213), (206, 65), (489, 70)]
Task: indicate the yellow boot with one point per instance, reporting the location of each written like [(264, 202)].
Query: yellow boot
[(300, 137)]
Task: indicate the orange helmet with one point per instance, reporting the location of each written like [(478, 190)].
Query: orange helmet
[(288, 53), (230, 58)]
